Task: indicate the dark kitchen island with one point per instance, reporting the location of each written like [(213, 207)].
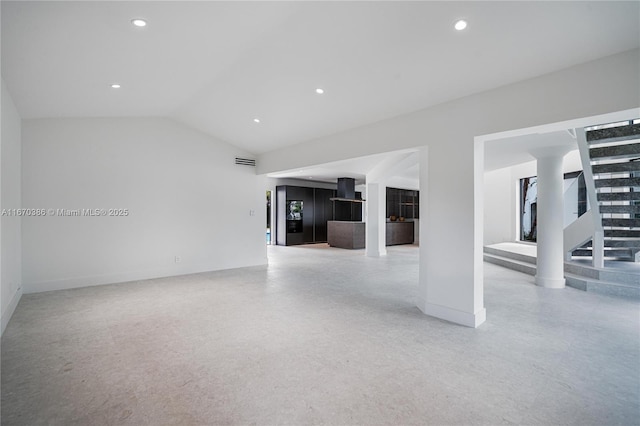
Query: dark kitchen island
[(345, 234)]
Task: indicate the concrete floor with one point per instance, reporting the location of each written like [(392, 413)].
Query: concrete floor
[(321, 336)]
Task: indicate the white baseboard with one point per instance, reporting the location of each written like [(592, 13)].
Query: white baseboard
[(6, 316), (90, 281), (453, 315)]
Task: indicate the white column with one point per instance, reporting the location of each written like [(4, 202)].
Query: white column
[(376, 208), (550, 262)]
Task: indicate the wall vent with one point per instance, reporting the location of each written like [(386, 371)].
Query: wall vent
[(245, 162)]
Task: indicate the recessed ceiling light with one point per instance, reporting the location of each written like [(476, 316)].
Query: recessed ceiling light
[(319, 91), (256, 120), (115, 86), (139, 22), (460, 25)]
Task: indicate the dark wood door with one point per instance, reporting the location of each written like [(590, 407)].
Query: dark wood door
[(323, 210)]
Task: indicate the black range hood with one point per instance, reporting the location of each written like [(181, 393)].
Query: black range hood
[(346, 190)]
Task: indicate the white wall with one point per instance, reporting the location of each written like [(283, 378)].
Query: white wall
[(273, 182), (499, 202), (403, 183), (185, 197), (10, 259)]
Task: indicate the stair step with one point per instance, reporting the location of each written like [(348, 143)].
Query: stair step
[(613, 275), (635, 243), (629, 208), (614, 134), (620, 277), (584, 271), (516, 265), (521, 257), (622, 223), (603, 287), (622, 233), (615, 253), (616, 183), (627, 166), (619, 196), (615, 151)]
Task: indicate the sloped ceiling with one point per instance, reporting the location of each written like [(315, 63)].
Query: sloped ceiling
[(216, 66)]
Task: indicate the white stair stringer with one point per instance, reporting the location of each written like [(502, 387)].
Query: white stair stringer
[(592, 195)]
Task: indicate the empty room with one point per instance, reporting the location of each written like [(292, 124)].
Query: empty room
[(300, 212)]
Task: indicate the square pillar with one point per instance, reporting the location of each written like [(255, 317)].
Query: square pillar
[(376, 208), (451, 226)]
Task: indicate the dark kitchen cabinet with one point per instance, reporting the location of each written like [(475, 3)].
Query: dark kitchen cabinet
[(323, 210), (403, 203), (302, 214), (399, 233)]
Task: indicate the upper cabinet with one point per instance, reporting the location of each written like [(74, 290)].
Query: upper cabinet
[(403, 203)]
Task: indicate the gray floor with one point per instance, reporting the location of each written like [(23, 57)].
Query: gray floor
[(321, 336)]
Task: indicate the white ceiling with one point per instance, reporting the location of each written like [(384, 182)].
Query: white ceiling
[(510, 151), (217, 65), (358, 168)]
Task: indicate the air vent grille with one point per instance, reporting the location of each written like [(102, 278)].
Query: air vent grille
[(245, 162)]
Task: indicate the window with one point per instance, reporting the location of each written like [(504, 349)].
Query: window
[(575, 203)]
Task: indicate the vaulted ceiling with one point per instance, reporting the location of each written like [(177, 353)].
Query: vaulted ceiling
[(217, 66)]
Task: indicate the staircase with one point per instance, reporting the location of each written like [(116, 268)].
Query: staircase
[(614, 158)]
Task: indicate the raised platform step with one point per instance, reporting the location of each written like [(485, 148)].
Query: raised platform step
[(621, 223), (608, 275), (617, 183), (619, 196), (621, 280), (602, 287), (629, 208), (627, 166), (510, 254), (614, 134), (631, 150), (516, 265), (622, 233)]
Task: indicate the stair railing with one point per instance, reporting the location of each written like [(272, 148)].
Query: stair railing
[(577, 233)]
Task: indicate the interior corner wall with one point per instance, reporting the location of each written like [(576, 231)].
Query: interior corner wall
[(499, 202), (10, 199), (174, 200)]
